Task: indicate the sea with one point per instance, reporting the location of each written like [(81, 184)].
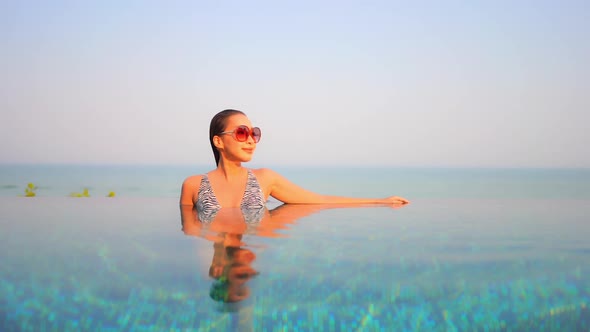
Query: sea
[(415, 183), (107, 248)]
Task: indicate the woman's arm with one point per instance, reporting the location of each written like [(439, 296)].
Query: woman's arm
[(189, 221), (190, 188), (288, 192)]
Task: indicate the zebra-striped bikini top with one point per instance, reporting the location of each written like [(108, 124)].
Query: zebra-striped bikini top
[(252, 201)]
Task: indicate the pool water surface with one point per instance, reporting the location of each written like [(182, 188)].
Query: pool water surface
[(143, 264)]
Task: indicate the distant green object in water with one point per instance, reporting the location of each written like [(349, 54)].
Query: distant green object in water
[(82, 194), (30, 190), (111, 194)]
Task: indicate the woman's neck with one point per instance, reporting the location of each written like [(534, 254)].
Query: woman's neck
[(230, 170)]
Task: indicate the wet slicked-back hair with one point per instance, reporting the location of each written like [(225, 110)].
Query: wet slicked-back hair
[(217, 126)]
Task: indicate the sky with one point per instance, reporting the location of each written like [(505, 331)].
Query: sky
[(353, 83)]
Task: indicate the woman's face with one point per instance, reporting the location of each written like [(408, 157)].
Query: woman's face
[(239, 274), (244, 256), (230, 147)]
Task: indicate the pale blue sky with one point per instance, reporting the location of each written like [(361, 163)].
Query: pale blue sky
[(427, 83)]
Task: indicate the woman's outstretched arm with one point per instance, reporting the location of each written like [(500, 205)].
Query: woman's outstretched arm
[(288, 192)]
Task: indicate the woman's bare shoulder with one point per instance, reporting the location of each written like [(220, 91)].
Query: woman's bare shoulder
[(264, 173), (190, 188), (192, 181)]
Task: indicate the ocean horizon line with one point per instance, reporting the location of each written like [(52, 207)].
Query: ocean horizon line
[(300, 166), (345, 180)]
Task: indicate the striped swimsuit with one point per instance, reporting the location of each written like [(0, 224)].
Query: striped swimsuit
[(252, 202)]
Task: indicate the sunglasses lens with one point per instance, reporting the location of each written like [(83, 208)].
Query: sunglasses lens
[(256, 134), (242, 134), (243, 276)]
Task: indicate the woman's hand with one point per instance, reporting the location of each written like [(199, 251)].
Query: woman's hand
[(396, 200)]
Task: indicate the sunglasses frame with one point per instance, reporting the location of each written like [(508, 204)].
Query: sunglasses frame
[(249, 132)]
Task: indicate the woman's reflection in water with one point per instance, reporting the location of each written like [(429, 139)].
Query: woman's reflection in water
[(231, 266)]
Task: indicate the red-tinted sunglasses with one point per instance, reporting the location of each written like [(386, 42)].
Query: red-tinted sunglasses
[(241, 133)]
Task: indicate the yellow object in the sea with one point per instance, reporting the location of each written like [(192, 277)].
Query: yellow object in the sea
[(111, 194), (30, 190), (82, 194)]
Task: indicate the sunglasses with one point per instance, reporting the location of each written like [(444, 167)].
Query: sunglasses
[(241, 133)]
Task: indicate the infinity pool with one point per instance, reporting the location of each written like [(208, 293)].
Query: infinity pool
[(140, 264)]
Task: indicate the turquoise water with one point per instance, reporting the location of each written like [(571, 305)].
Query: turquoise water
[(164, 181), (465, 255)]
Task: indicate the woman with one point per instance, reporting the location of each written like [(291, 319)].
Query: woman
[(230, 185)]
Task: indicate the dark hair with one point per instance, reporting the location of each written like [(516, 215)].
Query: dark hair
[(218, 124), (219, 290)]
